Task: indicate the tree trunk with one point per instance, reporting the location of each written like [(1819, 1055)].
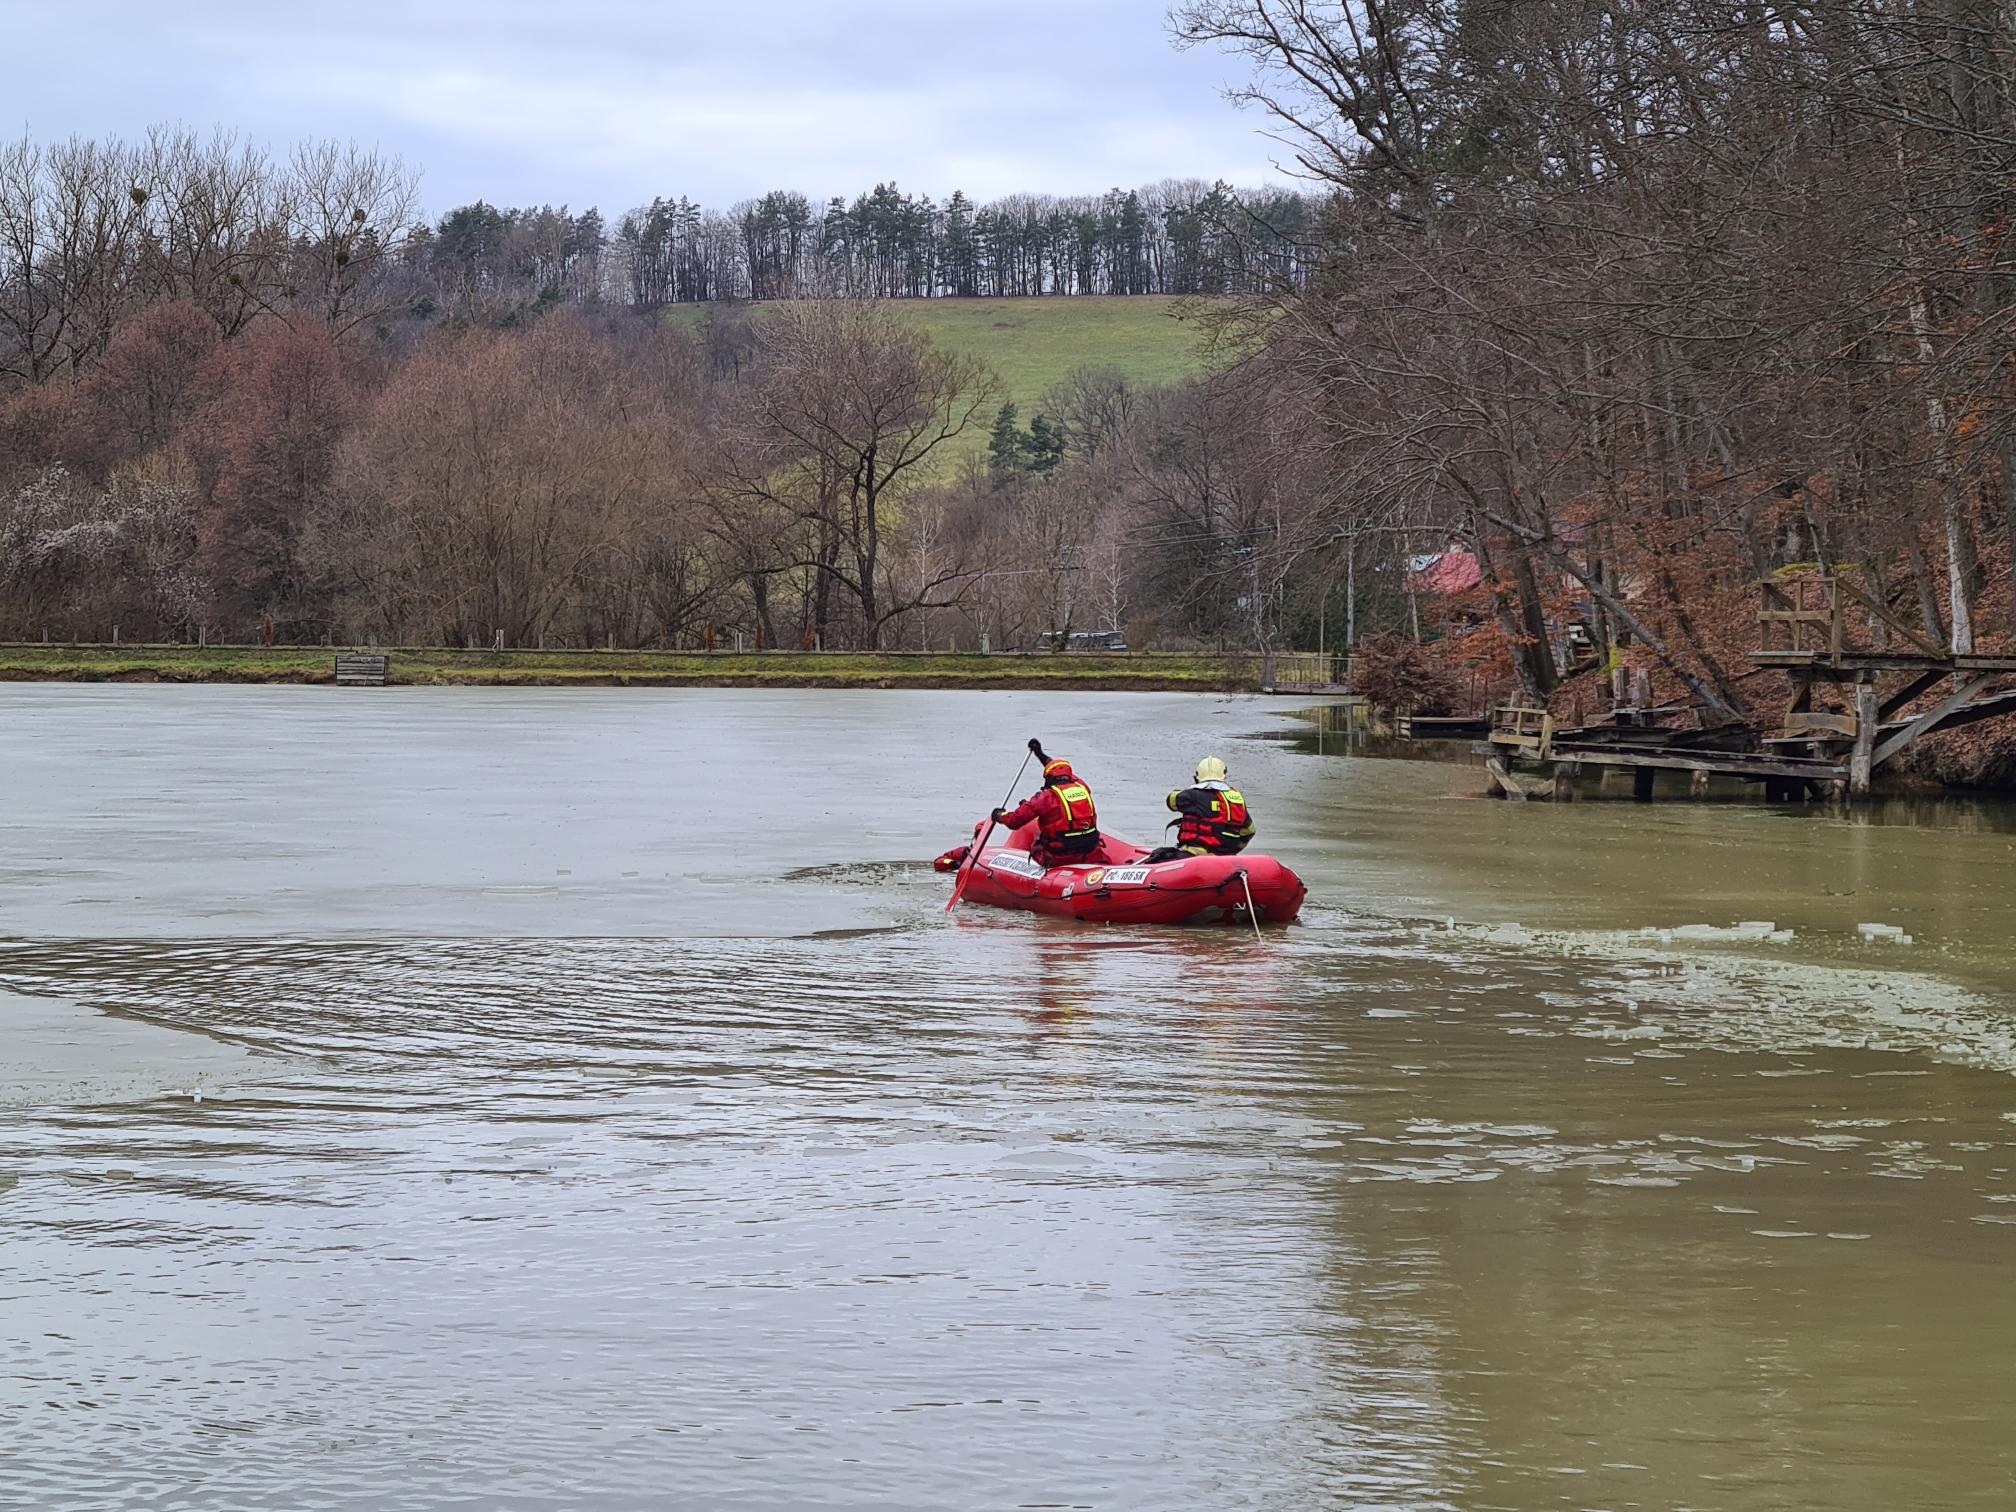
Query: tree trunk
[(1928, 594), (2006, 452), (1537, 649), (759, 597), (1508, 620), (822, 581), (1961, 564)]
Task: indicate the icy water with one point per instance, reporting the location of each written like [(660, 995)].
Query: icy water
[(607, 1115)]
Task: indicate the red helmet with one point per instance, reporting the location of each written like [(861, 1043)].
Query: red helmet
[(1058, 770)]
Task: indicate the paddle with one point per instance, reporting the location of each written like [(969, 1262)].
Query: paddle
[(973, 855)]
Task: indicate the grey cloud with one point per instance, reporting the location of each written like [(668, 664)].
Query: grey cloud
[(609, 101)]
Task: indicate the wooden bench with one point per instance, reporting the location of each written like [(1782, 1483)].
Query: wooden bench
[(361, 670)]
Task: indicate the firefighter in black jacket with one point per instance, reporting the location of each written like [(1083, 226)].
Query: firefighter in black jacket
[(1211, 817)]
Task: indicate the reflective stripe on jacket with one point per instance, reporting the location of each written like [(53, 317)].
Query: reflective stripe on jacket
[(1214, 818), (1064, 815)]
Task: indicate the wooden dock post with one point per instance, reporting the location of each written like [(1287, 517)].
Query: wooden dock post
[(1565, 773), (1503, 780), (1862, 756)]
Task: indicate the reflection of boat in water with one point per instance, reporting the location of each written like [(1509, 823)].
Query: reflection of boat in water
[(1117, 884)]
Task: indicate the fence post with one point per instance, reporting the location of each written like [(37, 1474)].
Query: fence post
[(500, 640)]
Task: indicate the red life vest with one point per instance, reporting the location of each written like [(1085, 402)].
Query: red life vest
[(1226, 827), (1072, 825)]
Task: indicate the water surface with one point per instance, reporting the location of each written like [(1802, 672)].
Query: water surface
[(634, 1128)]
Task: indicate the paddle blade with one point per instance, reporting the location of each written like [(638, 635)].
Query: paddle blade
[(966, 866)]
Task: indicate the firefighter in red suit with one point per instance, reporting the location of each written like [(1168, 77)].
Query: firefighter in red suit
[(1067, 824)]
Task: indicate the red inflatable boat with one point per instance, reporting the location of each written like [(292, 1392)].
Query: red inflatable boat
[(1116, 885)]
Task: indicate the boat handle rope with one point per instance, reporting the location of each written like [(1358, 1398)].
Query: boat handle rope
[(1252, 914)]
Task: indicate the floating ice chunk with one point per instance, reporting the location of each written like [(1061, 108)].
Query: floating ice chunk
[(1880, 931), (1748, 932)]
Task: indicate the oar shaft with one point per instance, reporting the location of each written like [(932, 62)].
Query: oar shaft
[(973, 855)]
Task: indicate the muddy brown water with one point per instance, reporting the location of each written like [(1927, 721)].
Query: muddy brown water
[(629, 1126)]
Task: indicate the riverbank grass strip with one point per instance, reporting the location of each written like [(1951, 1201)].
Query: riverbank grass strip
[(434, 666)]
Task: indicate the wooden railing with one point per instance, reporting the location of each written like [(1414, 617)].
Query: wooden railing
[(1807, 609), (1316, 671), (1530, 730)]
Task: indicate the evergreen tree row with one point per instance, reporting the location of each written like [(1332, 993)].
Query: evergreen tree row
[(1175, 238)]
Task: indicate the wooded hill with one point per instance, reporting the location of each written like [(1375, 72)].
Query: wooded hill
[(1636, 307), (1640, 304)]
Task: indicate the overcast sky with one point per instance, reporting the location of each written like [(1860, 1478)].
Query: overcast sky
[(608, 102)]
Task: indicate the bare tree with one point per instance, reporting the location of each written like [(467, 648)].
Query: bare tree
[(221, 219), (350, 212), (1091, 405), (849, 407), (71, 216)]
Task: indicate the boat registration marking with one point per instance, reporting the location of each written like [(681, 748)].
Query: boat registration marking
[(1015, 866), (1125, 875)]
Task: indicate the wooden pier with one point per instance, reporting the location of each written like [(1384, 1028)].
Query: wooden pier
[(1856, 667)]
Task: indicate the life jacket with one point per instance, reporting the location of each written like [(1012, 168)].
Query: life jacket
[(1224, 829), (1072, 827)]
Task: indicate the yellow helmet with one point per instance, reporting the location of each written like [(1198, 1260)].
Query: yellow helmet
[(1210, 769)]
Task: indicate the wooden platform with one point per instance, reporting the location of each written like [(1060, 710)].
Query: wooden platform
[(362, 670), (1882, 661), (1444, 726), (1856, 663)]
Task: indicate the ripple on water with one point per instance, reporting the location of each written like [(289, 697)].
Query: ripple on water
[(996, 1216)]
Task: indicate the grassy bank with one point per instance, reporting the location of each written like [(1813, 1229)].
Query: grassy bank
[(424, 666)]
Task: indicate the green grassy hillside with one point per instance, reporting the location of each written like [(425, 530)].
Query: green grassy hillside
[(1031, 343)]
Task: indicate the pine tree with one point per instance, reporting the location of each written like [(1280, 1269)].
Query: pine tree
[(1043, 448), (1007, 448), (958, 258)]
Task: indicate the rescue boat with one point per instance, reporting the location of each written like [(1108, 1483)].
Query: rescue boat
[(1117, 884)]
